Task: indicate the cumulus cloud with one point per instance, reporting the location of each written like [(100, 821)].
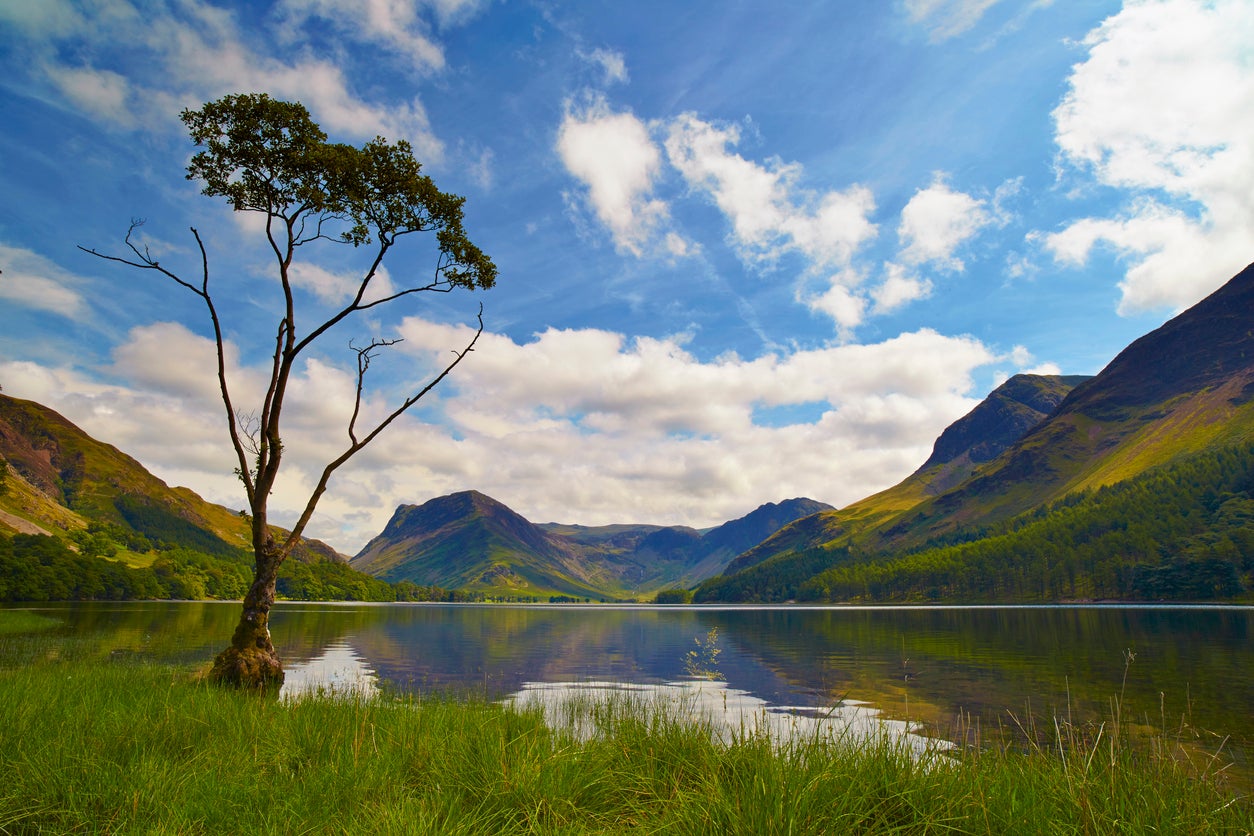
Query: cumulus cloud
[(770, 213), (1162, 109), (846, 307), (936, 222), (32, 281), (612, 154), (898, 288), (619, 428)]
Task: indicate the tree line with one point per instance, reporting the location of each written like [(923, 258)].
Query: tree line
[(42, 568), (1181, 532)]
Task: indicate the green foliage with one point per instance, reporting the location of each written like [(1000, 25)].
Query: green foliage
[(673, 596), (1183, 531), (328, 581), (266, 155), (128, 748), (166, 529), (777, 579), (1179, 532), (4, 477), (38, 568), (702, 663)]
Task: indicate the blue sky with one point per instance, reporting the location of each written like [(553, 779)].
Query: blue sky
[(747, 251)]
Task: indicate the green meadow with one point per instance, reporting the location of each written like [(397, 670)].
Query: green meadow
[(104, 744)]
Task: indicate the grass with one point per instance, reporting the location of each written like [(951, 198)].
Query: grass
[(23, 621), (126, 747), (89, 745)]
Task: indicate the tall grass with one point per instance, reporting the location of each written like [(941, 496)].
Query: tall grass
[(99, 746), (23, 621)]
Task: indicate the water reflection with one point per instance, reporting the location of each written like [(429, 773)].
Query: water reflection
[(339, 670), (1194, 666), (729, 713)]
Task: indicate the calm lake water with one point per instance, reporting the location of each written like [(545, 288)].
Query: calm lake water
[(1173, 666)]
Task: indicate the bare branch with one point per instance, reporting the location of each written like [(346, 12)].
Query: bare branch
[(364, 355), (250, 426), (145, 261), (358, 445)]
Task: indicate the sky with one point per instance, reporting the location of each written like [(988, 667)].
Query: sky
[(748, 250)]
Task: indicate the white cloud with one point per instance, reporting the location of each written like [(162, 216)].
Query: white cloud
[(30, 280), (846, 308), (455, 12), (100, 92), (945, 19), (613, 155), (1162, 108), (612, 64), (194, 51), (898, 288), (936, 222), (46, 17), (621, 429), (769, 213), (395, 24), (339, 288)]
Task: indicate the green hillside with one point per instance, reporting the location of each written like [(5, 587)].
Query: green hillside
[(1003, 418), (1186, 389), (79, 519), (1180, 532), (471, 542)]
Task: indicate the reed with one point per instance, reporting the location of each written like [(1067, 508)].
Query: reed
[(124, 747), (13, 622), (121, 746)]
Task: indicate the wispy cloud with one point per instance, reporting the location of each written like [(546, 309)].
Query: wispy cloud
[(32, 281), (944, 19), (194, 51), (611, 63)]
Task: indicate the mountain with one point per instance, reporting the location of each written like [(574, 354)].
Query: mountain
[(1183, 390), (59, 480), (1003, 418), (472, 542)]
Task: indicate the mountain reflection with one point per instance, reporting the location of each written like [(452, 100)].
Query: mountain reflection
[(1187, 667)]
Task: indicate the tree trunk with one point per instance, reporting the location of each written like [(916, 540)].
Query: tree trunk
[(251, 661)]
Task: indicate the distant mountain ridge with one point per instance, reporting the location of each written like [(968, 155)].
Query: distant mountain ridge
[(470, 541), (1183, 389), (1034, 444)]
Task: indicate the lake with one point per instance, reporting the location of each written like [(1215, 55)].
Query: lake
[(1187, 669)]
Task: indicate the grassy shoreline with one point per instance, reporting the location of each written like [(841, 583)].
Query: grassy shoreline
[(93, 746)]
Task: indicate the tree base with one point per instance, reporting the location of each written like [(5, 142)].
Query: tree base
[(251, 668)]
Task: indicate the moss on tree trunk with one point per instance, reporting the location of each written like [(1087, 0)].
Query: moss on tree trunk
[(251, 661)]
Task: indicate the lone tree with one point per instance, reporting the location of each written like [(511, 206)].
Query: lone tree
[(268, 156)]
